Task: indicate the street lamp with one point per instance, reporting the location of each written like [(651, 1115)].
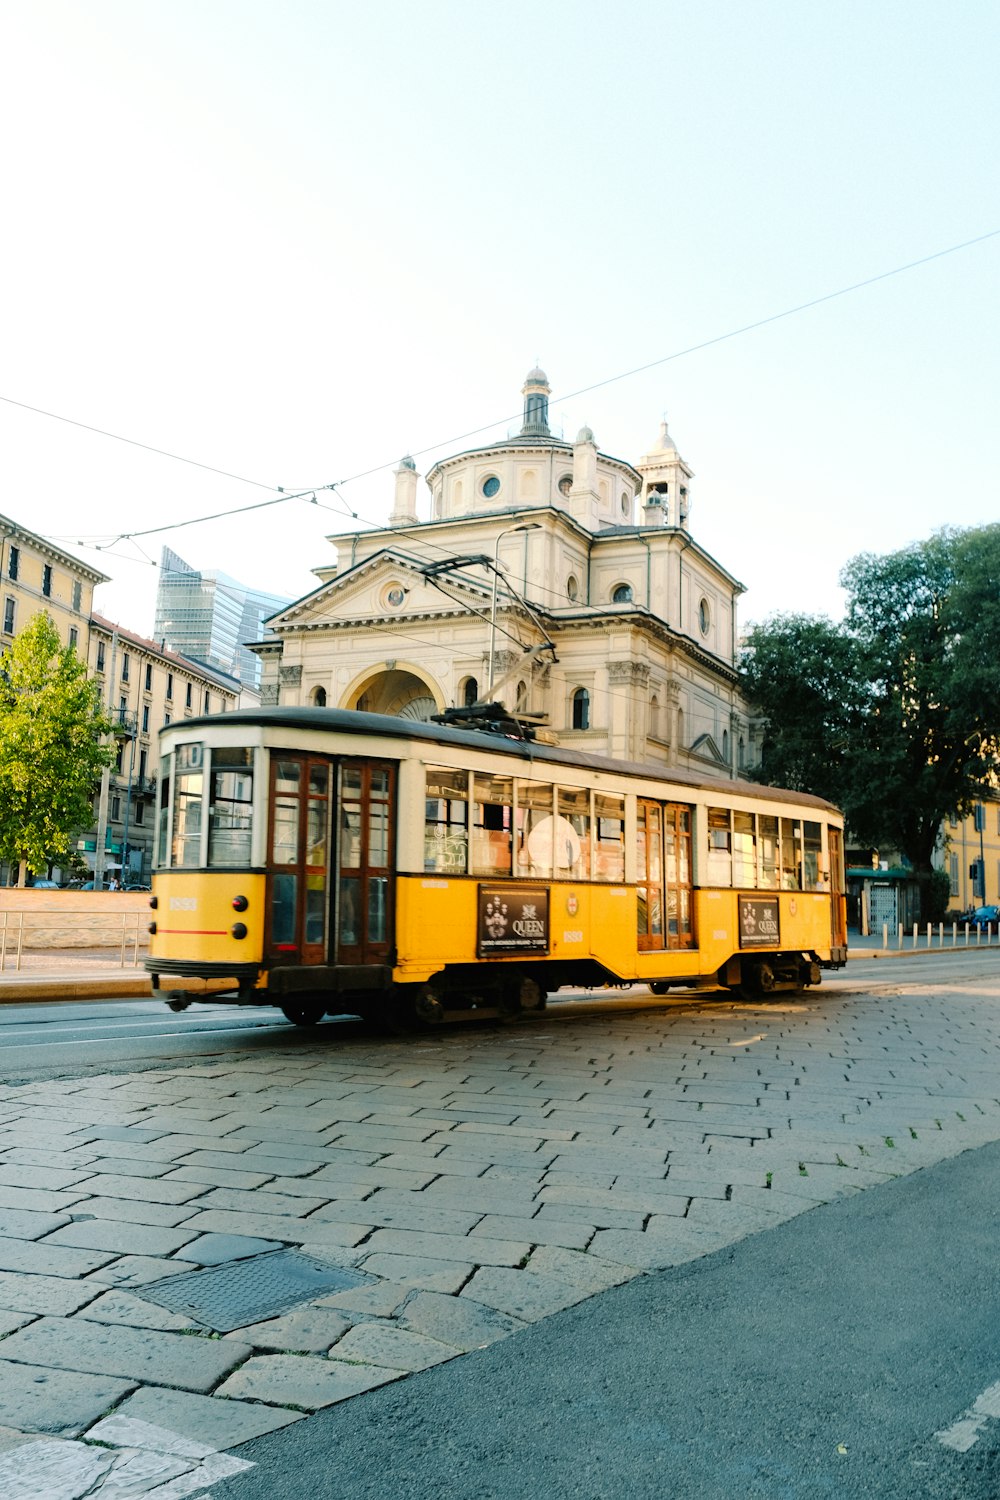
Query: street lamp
[(508, 531)]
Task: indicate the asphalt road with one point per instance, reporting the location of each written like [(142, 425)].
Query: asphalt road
[(832, 1356)]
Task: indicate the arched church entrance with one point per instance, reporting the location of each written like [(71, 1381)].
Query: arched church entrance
[(399, 693)]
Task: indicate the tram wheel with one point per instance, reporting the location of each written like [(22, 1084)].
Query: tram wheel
[(428, 1006), (303, 1014), (659, 986)]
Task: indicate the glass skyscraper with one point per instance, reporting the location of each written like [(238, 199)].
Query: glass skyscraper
[(208, 616)]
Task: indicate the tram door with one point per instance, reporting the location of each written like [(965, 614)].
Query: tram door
[(365, 844), (663, 876), (298, 859), (838, 905)]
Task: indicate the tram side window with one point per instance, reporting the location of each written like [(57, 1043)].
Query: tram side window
[(609, 838), (791, 854), (720, 847), (815, 876), (767, 844), (446, 821), (572, 832), (744, 851), (492, 824), (534, 829), (230, 807), (189, 786)]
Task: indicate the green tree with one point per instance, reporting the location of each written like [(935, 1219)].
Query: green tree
[(53, 746), (804, 676), (895, 714)]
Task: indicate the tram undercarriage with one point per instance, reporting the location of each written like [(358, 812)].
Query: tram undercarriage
[(306, 995)]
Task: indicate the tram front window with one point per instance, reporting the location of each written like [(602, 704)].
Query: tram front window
[(230, 808)]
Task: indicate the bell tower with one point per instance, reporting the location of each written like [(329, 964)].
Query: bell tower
[(666, 479)]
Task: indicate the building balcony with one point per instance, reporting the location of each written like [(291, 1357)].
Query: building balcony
[(124, 722)]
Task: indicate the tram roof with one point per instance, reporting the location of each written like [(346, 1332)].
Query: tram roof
[(351, 721)]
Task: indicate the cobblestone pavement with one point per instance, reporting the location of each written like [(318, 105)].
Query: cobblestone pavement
[(478, 1180)]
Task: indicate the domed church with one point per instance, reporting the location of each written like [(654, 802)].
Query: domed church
[(536, 573)]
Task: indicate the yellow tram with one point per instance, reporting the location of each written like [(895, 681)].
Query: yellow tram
[(333, 862)]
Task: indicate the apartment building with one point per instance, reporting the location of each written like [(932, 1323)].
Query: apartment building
[(36, 575), (971, 855), (144, 687)]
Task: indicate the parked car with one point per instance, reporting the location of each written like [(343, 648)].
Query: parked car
[(137, 885), (985, 916), (44, 885)]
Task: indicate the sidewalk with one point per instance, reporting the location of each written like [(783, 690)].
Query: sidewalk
[(194, 1256), (72, 974)]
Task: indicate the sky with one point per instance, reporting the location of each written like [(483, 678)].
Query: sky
[(292, 242)]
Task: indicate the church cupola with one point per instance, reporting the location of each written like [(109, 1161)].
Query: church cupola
[(536, 392)]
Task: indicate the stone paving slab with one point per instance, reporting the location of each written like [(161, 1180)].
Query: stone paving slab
[(217, 1424), (40, 1398), (191, 1364), (304, 1381)]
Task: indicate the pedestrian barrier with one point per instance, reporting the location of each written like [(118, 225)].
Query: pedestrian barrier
[(26, 934), (955, 935)]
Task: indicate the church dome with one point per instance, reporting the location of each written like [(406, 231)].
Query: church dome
[(537, 376), (585, 435)]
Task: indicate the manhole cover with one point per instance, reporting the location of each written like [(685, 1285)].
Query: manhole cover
[(248, 1291)]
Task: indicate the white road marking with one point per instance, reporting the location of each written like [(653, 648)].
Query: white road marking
[(961, 1435)]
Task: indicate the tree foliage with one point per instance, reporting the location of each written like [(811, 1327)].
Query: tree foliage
[(53, 746), (894, 714)]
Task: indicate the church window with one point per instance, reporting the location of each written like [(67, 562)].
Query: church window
[(704, 617), (626, 506), (572, 587), (470, 692), (581, 709), (565, 484), (622, 593), (491, 486), (319, 697), (654, 717)]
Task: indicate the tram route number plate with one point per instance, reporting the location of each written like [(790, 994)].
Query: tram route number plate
[(759, 927), (511, 919)]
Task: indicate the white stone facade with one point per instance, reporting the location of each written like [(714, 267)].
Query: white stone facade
[(595, 556)]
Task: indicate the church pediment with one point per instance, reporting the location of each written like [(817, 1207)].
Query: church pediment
[(390, 585)]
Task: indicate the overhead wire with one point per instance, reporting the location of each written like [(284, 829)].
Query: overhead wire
[(732, 333), (280, 494)]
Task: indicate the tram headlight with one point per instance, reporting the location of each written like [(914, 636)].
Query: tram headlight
[(152, 929), (239, 903), (153, 903), (238, 930)]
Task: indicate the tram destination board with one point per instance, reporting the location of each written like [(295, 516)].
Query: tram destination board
[(512, 920), (759, 927)]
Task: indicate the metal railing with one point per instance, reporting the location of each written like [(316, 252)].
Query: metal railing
[(119, 937)]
